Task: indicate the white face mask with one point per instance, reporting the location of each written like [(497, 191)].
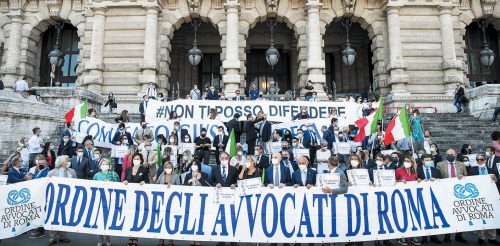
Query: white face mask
[(379, 163), (299, 135), (148, 148), (240, 153), (172, 141), (79, 154), (310, 128), (336, 132), (194, 168), (104, 168), (354, 163), (302, 167), (275, 161), (184, 158), (248, 164), (137, 162), (168, 170), (488, 154), (407, 164), (224, 163), (466, 163), (97, 156)]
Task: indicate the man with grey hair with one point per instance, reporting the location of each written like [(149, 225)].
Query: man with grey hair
[(277, 174), (333, 164)]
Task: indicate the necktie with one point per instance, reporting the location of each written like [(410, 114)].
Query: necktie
[(147, 156), (143, 133), (427, 174), (483, 171), (304, 178), (276, 177), (313, 140), (258, 159), (65, 173), (453, 174), (79, 161), (224, 174)]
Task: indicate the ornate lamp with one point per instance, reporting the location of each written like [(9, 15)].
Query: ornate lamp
[(272, 54), (56, 57), (194, 54)]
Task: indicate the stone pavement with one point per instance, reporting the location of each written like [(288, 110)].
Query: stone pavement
[(88, 240)]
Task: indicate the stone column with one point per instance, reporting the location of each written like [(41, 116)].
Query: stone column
[(315, 63), (150, 42), (13, 54), (396, 66), (231, 65), (450, 65), (95, 66)]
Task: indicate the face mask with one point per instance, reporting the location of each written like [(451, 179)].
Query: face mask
[(194, 168), (275, 162), (79, 154), (122, 130), (186, 140), (354, 163), (184, 158), (148, 148), (466, 163), (144, 127), (407, 164), (240, 153), (66, 140), (324, 147), (336, 132), (125, 140), (379, 163), (168, 170), (285, 158), (294, 144), (429, 163), (224, 163), (41, 167), (137, 162), (299, 135), (248, 164), (203, 134), (97, 156), (419, 155), (450, 158), (433, 149), (302, 167), (221, 133), (176, 128), (36, 162), (104, 168), (303, 110), (310, 128)]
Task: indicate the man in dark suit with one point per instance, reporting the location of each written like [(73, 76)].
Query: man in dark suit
[(93, 166), (234, 124), (304, 176), (262, 160), (220, 142), (179, 132), (16, 173), (80, 164), (224, 175), (380, 164), (310, 141), (121, 132), (265, 131), (288, 162), (277, 174), (459, 93), (143, 106), (238, 97), (426, 171), (491, 158), (251, 133)]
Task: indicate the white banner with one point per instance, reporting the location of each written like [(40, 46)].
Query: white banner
[(273, 215), (103, 132), (277, 111), (293, 126), (22, 207)]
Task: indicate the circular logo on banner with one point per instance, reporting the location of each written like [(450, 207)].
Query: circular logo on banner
[(466, 191), (18, 197)]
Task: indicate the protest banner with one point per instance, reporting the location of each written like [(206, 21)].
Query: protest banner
[(277, 111), (405, 210), (103, 132), (293, 126), (287, 215), (22, 207)]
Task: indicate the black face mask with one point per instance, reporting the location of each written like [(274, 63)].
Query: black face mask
[(144, 127), (285, 158), (284, 148)]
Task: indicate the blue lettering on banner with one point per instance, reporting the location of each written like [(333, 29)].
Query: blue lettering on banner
[(418, 210), (74, 218), (141, 198), (187, 206), (353, 204), (366, 222), (120, 199), (220, 219), (437, 212), (383, 209), (252, 213), (273, 211), (202, 214), (177, 218), (283, 214), (320, 198), (155, 212), (305, 220), (401, 228), (333, 199)]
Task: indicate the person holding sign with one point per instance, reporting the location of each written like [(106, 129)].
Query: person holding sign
[(150, 159), (239, 159), (121, 134), (196, 177), (333, 167), (357, 178), (322, 156), (304, 176), (427, 171), (249, 170), (407, 172), (380, 165), (203, 145), (277, 174)]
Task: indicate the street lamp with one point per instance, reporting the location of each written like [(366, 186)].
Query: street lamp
[(487, 56), (56, 57), (194, 54), (348, 54), (272, 54)]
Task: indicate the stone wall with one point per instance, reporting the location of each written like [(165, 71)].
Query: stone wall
[(483, 100)]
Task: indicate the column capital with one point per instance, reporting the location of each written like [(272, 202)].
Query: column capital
[(445, 9), (152, 8), (99, 10), (313, 5), (231, 5), (16, 17)]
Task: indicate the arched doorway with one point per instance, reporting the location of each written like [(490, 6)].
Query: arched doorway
[(479, 74), (358, 78), (68, 42), (258, 72), (208, 71)]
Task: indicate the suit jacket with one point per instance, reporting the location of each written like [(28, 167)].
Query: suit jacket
[(307, 140), (118, 136), (203, 179), (139, 137), (292, 164), (242, 98), (66, 149), (234, 124), (142, 107), (93, 168), (310, 177), (15, 176), (343, 184), (284, 177), (180, 134), (263, 162), (150, 161), (496, 159), (216, 143), (89, 154), (474, 171), (251, 133), (231, 176), (459, 168), (435, 173), (82, 169), (266, 131)]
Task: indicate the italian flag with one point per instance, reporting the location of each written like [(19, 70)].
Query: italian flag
[(231, 145), (77, 112), (368, 125), (398, 128)]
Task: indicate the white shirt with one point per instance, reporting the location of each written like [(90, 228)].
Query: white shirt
[(195, 94), (279, 174), (21, 85), (322, 156), (449, 170), (222, 170), (34, 145)]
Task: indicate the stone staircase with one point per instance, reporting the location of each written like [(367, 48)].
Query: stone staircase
[(452, 130)]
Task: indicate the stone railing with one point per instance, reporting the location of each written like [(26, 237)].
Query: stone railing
[(482, 100), (66, 98)]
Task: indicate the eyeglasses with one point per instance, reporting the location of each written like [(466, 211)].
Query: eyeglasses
[(479, 159)]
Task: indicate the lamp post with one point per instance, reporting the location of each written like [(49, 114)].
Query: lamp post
[(56, 57), (272, 54), (348, 54), (194, 54), (487, 56)]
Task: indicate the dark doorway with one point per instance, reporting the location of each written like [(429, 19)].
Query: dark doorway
[(66, 74), (478, 73), (260, 73)]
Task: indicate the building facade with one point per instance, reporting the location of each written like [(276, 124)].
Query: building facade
[(411, 51)]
